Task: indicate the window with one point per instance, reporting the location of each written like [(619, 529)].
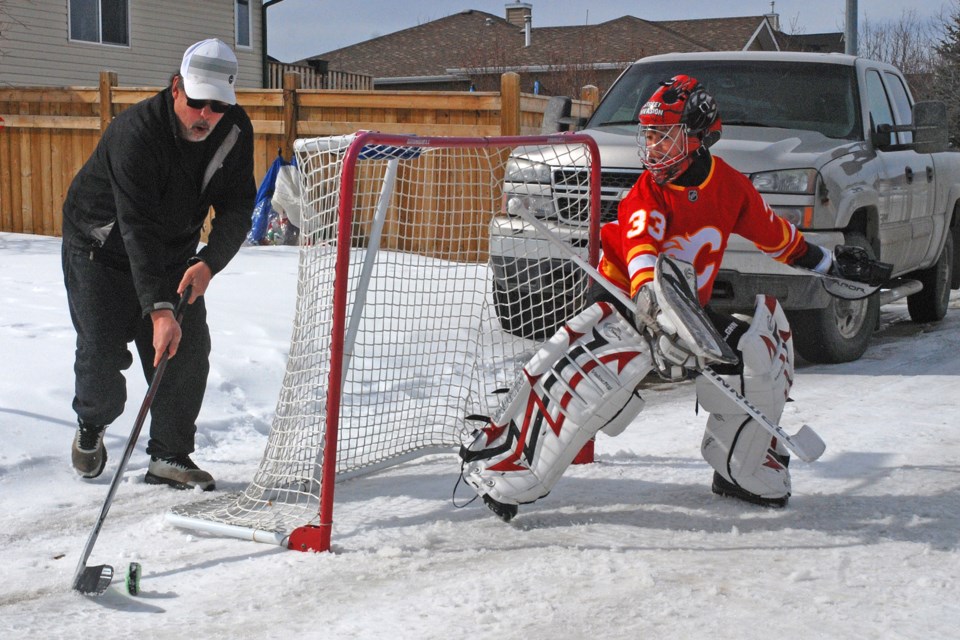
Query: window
[(902, 103), (749, 94), (103, 21), (243, 23), (880, 108)]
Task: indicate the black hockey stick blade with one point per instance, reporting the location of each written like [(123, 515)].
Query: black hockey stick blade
[(93, 581), (842, 288), (847, 289)]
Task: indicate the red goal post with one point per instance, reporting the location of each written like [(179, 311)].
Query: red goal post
[(418, 302)]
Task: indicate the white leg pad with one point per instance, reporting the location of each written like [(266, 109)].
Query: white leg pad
[(734, 444), (582, 380)]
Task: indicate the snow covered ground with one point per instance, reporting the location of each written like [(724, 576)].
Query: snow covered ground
[(634, 546)]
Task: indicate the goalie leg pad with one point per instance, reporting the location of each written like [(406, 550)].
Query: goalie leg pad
[(736, 446), (582, 380)]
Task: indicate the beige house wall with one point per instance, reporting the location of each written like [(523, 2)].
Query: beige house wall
[(36, 50)]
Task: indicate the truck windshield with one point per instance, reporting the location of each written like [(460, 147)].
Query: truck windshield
[(789, 95)]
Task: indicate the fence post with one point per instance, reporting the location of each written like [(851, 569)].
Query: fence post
[(510, 104), (108, 80), (291, 110), (590, 93)]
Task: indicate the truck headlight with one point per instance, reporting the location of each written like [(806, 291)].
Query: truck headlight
[(525, 171), (800, 181)]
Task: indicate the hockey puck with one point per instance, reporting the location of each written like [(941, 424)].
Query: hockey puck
[(133, 578)]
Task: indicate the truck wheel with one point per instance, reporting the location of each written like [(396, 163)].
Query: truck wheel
[(930, 303), (840, 332)]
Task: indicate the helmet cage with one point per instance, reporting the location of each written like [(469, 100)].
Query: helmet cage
[(664, 150)]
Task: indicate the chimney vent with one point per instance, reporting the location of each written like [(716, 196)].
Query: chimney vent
[(518, 13)]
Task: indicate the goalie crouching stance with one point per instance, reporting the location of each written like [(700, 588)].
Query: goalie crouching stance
[(685, 205)]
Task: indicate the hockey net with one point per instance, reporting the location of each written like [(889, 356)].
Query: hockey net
[(407, 322)]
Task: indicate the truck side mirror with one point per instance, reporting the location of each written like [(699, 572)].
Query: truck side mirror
[(930, 126), (882, 136)]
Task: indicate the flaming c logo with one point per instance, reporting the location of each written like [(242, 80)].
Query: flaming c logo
[(689, 248)]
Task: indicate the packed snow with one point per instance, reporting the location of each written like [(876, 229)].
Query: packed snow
[(632, 546)]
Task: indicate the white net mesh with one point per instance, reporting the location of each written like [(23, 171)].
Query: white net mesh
[(436, 323)]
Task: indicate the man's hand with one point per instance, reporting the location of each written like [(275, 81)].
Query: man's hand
[(166, 334), (198, 276)]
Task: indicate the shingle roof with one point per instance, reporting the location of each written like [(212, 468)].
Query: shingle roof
[(475, 39)]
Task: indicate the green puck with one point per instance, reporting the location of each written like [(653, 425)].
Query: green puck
[(133, 578)]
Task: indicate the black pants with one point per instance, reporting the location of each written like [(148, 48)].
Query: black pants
[(107, 317)]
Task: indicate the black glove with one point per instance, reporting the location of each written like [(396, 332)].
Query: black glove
[(854, 263)]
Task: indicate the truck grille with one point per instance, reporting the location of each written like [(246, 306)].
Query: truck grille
[(572, 199)]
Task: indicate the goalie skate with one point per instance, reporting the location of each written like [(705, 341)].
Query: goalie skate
[(582, 380)]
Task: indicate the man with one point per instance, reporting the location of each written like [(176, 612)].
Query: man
[(685, 206), (131, 227)]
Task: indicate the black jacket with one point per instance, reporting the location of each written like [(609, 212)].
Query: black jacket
[(137, 204)]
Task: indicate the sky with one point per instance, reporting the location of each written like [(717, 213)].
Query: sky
[(632, 546), (299, 29)]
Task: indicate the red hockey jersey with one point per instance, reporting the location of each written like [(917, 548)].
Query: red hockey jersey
[(691, 224)]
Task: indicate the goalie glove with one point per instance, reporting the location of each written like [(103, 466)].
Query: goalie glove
[(671, 356), (854, 263)]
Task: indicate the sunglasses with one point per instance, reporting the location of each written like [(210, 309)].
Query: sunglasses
[(215, 105)]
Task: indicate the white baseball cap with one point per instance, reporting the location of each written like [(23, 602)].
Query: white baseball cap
[(209, 71)]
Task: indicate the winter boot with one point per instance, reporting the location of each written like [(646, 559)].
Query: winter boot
[(88, 454), (179, 472)]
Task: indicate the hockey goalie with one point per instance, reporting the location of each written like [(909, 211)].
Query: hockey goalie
[(584, 380), (663, 254)]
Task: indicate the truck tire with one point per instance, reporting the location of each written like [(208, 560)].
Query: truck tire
[(840, 332), (930, 303)]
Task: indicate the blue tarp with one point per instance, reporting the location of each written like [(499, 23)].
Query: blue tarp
[(262, 211)]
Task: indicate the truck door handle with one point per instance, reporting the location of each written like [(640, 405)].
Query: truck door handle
[(909, 174), (929, 174)]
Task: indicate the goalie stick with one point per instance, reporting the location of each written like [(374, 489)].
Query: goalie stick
[(842, 287), (94, 580), (806, 444)]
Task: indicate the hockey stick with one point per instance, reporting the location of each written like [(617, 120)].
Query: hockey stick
[(95, 580), (842, 288), (805, 443)]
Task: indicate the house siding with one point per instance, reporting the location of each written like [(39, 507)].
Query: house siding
[(35, 49)]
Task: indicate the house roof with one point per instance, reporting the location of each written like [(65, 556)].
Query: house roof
[(472, 42), (826, 42)]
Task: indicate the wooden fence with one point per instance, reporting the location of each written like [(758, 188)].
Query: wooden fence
[(310, 78), (46, 134)]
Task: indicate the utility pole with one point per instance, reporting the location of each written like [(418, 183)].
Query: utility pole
[(263, 41), (850, 28)]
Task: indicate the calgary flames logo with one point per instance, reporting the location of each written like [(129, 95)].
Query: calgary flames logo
[(702, 250)]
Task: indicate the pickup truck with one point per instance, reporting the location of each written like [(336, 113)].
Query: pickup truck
[(834, 143)]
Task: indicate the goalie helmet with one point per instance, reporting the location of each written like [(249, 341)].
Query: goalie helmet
[(678, 120)]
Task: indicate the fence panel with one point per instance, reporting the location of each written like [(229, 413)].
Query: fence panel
[(46, 134)]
